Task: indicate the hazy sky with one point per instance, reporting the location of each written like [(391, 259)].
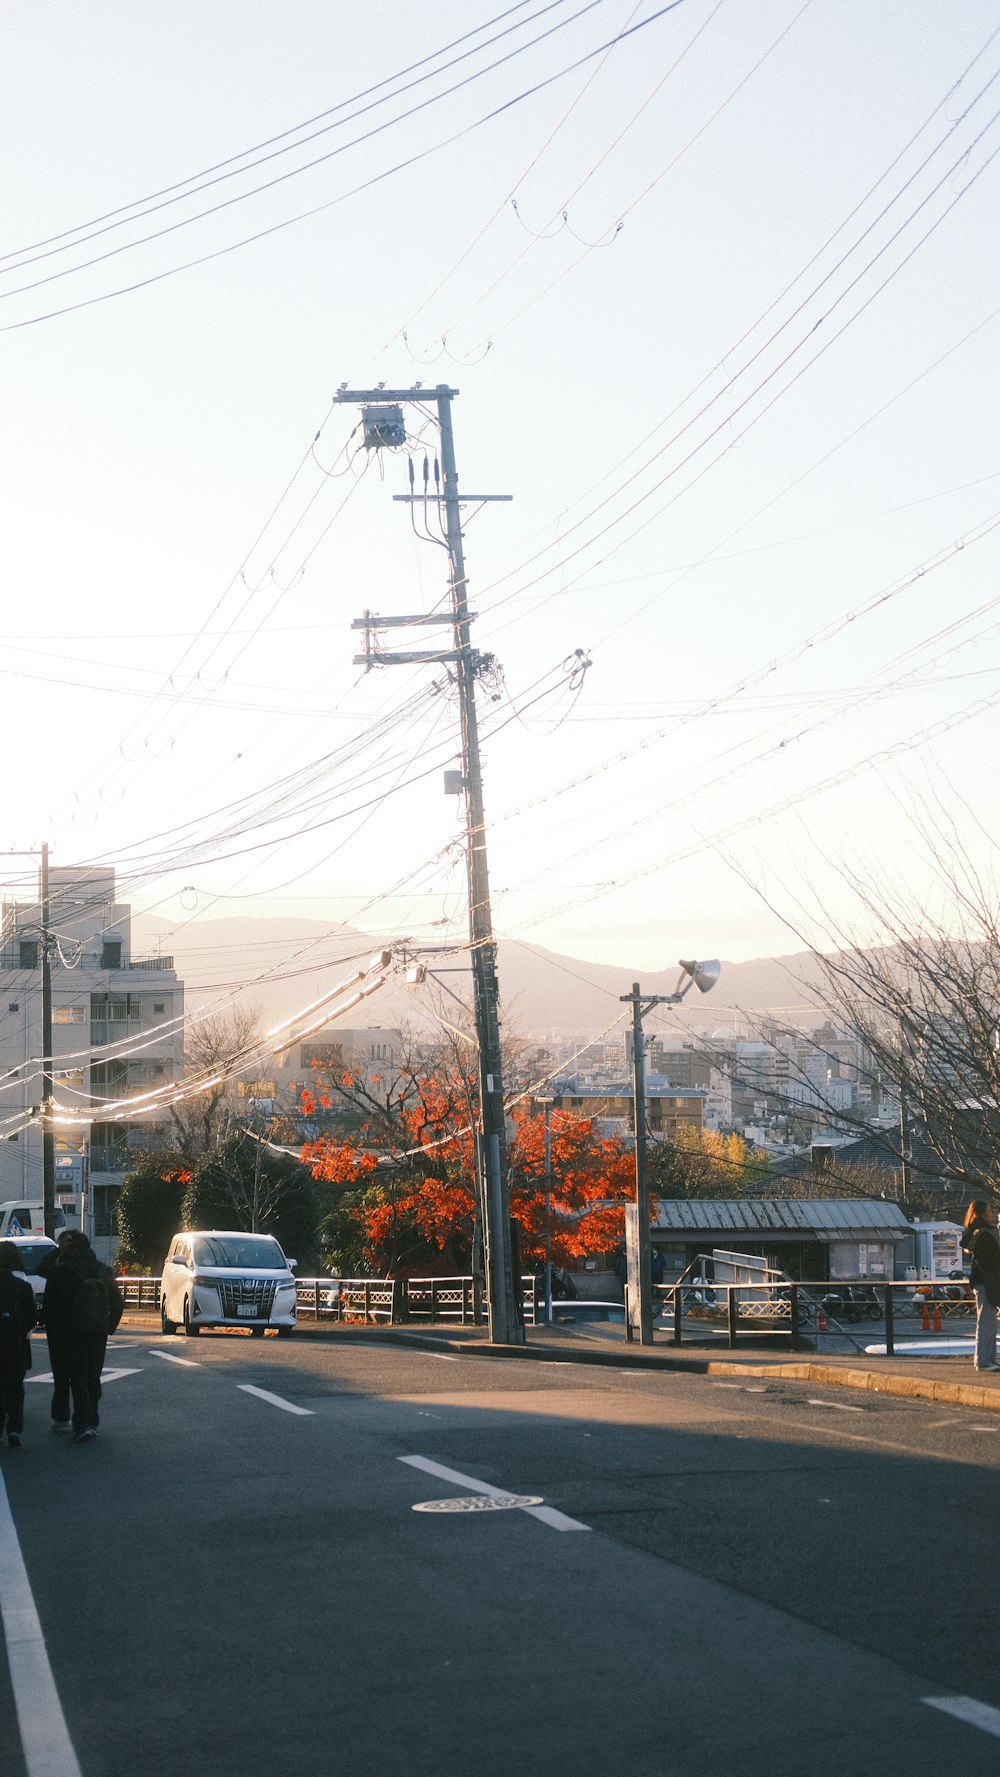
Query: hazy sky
[(722, 306)]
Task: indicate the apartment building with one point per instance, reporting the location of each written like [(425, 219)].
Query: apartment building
[(117, 1033)]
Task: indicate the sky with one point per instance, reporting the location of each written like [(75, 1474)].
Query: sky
[(716, 284)]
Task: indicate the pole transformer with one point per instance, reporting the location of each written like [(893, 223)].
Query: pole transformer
[(383, 426)]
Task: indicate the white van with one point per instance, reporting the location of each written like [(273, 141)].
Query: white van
[(17, 1217)]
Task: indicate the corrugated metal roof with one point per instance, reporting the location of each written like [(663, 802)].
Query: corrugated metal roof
[(819, 1218)]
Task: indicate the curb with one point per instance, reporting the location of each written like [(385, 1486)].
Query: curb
[(958, 1394)]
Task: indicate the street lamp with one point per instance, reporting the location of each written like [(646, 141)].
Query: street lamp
[(639, 1307), (547, 1104)]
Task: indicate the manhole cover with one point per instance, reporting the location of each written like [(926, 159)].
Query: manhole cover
[(479, 1502)]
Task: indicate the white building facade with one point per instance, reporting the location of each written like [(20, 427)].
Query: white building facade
[(117, 1034)]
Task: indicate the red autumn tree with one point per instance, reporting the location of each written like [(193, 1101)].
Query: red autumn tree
[(405, 1179)]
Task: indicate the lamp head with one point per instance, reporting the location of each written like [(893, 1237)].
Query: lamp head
[(704, 975)]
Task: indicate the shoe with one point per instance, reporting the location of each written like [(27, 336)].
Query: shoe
[(14, 1439), (61, 1425), (83, 1437), (981, 1367)]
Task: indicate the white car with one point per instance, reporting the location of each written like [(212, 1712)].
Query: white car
[(32, 1252), (222, 1278)]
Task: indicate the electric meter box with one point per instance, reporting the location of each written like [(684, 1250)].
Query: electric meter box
[(383, 426)]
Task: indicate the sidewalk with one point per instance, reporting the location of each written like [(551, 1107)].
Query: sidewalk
[(948, 1379)]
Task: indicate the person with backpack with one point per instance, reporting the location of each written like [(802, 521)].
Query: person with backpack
[(82, 1305), (17, 1317)]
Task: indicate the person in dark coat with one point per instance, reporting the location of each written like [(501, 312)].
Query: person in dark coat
[(982, 1244), (17, 1317), (81, 1306)]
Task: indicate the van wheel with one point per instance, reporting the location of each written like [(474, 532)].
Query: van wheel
[(285, 1332), (258, 1332), (168, 1326), (190, 1331)]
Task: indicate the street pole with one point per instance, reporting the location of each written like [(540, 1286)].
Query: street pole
[(548, 1213), (504, 1322), (48, 1135), (642, 1281), (639, 1299), (382, 425)]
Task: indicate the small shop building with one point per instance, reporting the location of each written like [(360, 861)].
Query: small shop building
[(815, 1240)]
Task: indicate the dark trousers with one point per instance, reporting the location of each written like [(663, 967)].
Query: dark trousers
[(11, 1391), (77, 1361)]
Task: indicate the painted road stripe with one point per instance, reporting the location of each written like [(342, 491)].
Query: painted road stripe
[(48, 1750), (275, 1400), (835, 1406), (106, 1375), (170, 1357), (545, 1514), (978, 1715)]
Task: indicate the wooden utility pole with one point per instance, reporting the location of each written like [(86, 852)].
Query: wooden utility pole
[(383, 426)]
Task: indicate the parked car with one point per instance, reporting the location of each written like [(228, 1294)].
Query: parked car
[(223, 1278), (32, 1251)]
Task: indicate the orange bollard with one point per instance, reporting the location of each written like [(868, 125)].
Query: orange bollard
[(821, 1321), (937, 1318), (925, 1319)]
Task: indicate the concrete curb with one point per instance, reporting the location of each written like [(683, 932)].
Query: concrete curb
[(958, 1394)]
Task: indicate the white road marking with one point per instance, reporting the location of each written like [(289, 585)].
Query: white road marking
[(982, 1428), (170, 1357), (479, 1502), (275, 1400), (545, 1514), (442, 1357), (48, 1750), (106, 1375), (835, 1406), (736, 1385), (978, 1715)]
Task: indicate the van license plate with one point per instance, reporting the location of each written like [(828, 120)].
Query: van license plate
[(247, 1310)]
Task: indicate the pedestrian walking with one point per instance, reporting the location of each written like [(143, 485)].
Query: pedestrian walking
[(982, 1242), (17, 1317), (82, 1305)]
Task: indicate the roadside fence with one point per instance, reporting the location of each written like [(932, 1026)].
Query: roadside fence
[(390, 1300), (860, 1313)]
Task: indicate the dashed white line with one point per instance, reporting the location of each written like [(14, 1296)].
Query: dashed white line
[(545, 1514), (978, 1715), (275, 1400), (170, 1357), (48, 1750), (835, 1406)]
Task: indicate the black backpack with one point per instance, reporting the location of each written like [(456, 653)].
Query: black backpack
[(12, 1328), (91, 1314)]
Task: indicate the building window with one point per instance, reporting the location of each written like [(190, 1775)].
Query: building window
[(27, 951), (159, 1006), (13, 1005), (111, 953), (67, 1014)]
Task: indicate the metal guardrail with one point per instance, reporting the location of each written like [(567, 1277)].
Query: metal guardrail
[(808, 1313), (370, 1299)]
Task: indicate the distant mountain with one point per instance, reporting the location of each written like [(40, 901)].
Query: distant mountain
[(283, 964)]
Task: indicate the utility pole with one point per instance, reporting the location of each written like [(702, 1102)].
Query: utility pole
[(48, 1135), (384, 427), (639, 1307)]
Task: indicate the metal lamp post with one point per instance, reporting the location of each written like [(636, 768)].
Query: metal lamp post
[(637, 1239), (547, 1104)]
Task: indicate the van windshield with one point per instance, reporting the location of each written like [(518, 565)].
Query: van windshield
[(254, 1252), (29, 1258)]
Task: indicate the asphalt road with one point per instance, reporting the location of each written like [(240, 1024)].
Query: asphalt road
[(765, 1576)]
